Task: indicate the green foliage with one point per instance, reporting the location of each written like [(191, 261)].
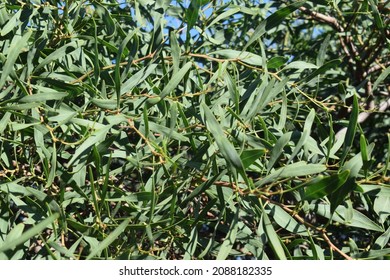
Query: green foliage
[(194, 130)]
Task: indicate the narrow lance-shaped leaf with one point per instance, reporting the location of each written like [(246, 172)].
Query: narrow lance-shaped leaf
[(273, 20), (233, 91), (14, 234), (322, 186), (60, 52), (248, 157), (228, 243), (94, 138), (354, 166), (175, 49), (359, 220), (363, 148), (17, 44), (191, 16), (381, 78), (278, 149), (35, 230), (382, 240), (109, 239), (300, 168), (11, 24), (331, 137), (373, 254), (96, 65), (191, 245), (382, 207), (175, 80), (4, 121), (305, 135), (377, 15), (243, 56), (302, 65), (283, 112), (351, 130), (273, 238), (53, 167), (276, 62), (322, 53), (227, 149), (329, 65), (118, 81), (224, 15), (43, 97), (109, 23), (285, 220)]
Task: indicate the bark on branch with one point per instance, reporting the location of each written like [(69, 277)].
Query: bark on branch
[(348, 46), (383, 106)]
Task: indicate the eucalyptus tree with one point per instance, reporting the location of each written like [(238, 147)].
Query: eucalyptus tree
[(194, 129)]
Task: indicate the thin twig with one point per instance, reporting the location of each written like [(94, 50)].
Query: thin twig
[(154, 152), (205, 56), (136, 61), (335, 24), (334, 247), (382, 107)]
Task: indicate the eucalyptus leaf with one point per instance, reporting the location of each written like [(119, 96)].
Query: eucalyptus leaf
[(273, 20), (160, 130), (17, 45), (35, 230), (359, 220), (322, 186)]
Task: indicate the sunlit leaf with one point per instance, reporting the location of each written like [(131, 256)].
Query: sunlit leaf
[(359, 220), (17, 45), (35, 230), (243, 56), (226, 148)]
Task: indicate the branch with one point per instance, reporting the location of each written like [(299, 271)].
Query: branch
[(136, 61), (335, 24), (376, 68), (376, 50), (323, 18), (205, 56), (383, 106), (334, 247)]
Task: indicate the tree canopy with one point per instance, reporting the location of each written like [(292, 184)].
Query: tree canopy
[(195, 129)]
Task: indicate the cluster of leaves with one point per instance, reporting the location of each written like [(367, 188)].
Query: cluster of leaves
[(200, 130)]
